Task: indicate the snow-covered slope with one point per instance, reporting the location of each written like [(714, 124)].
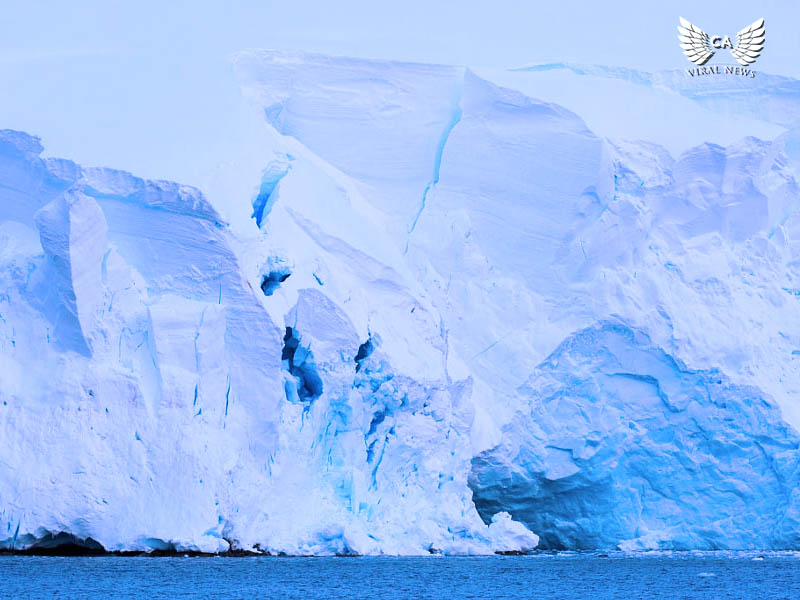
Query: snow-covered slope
[(450, 316), (669, 108)]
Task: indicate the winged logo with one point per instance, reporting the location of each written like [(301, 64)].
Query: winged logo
[(694, 42), (699, 47), (749, 43)]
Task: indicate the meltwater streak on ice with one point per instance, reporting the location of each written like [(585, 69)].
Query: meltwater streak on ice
[(191, 385)]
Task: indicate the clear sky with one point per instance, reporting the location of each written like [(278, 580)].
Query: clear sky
[(146, 85)]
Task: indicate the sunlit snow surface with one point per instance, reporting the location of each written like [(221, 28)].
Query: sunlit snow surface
[(448, 316)]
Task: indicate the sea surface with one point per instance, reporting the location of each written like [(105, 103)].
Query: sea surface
[(545, 576)]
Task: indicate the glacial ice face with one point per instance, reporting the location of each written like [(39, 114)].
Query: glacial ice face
[(543, 229), (532, 229), (428, 328), (160, 392), (622, 446), (128, 338)]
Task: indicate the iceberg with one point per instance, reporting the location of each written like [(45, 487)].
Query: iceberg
[(452, 315)]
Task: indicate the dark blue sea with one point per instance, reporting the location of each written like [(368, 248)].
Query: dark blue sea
[(546, 576)]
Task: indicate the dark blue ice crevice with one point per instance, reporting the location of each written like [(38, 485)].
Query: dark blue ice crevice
[(273, 280), (455, 118), (377, 418), (364, 352), (228, 395), (299, 361), (384, 396), (377, 463), (274, 273), (264, 201)]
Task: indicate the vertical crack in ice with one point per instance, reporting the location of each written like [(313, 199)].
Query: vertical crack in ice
[(374, 473), (197, 335), (16, 534), (364, 352), (271, 177), (299, 361), (437, 161), (227, 395)]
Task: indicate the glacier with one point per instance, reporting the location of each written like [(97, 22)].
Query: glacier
[(428, 309)]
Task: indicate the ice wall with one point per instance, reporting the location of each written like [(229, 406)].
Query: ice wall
[(535, 229), (155, 396), (450, 316), (620, 445)]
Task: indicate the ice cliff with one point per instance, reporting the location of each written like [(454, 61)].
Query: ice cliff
[(449, 317)]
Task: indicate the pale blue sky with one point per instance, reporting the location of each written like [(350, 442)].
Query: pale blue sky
[(135, 84)]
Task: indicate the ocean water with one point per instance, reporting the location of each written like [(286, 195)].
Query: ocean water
[(550, 576)]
